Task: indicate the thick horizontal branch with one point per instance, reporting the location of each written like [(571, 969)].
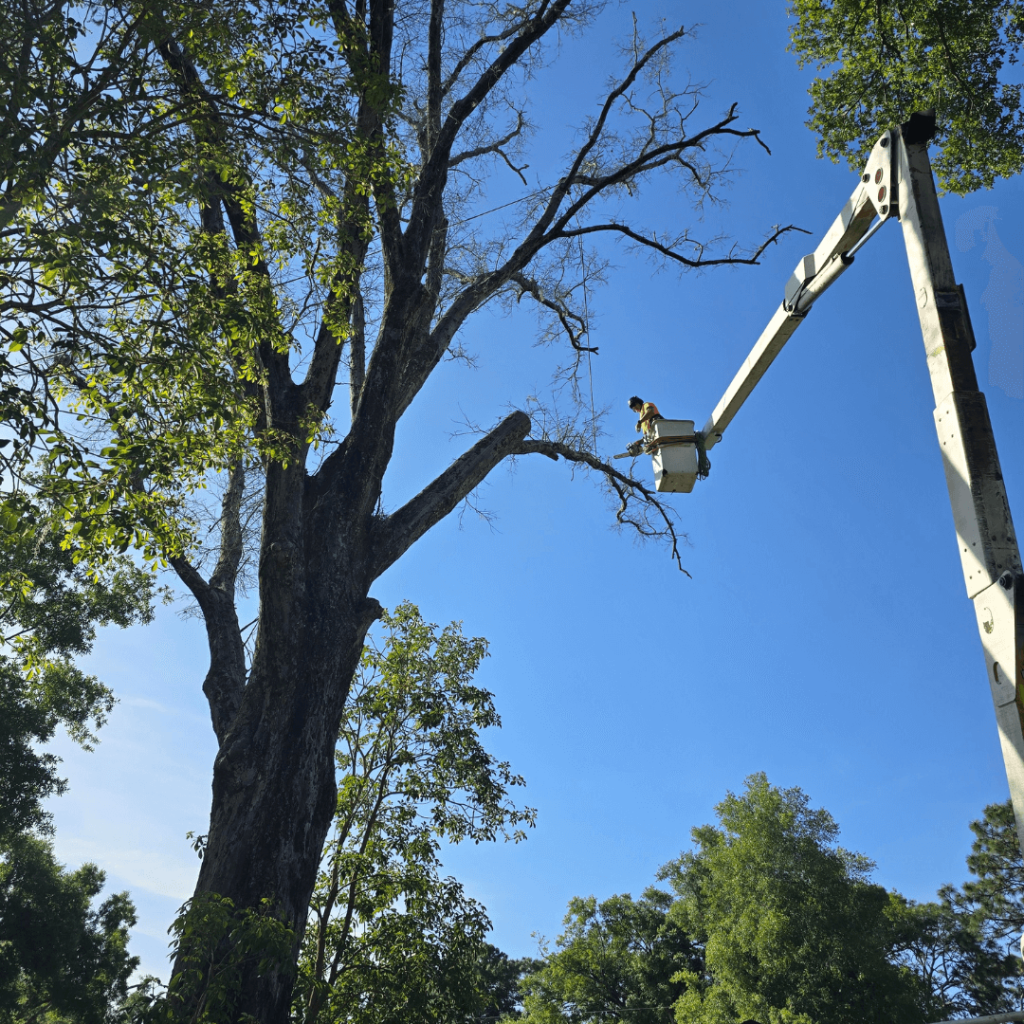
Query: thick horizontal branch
[(405, 526)]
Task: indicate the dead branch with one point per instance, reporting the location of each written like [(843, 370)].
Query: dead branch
[(669, 251), (528, 286), (625, 488)]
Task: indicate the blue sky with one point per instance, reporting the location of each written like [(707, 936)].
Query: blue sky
[(825, 637)]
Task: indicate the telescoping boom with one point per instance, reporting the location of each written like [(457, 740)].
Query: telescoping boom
[(897, 183)]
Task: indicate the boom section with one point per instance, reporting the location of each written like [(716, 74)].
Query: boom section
[(986, 540), (875, 196), (897, 182)]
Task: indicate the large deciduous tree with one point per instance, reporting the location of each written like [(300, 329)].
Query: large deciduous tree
[(967, 943), (297, 191), (52, 609)]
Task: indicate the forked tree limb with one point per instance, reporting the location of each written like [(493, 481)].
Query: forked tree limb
[(429, 191), (226, 677)]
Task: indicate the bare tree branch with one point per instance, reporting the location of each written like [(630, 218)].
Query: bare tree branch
[(474, 49), (427, 196), (625, 487), (356, 354), (561, 190), (670, 252), (225, 572), (528, 286), (496, 147)]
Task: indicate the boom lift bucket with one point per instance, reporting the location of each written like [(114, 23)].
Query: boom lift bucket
[(674, 455)]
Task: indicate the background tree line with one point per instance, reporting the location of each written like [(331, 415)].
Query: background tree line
[(766, 917)]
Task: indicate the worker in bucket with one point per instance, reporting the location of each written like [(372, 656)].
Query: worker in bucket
[(648, 413)]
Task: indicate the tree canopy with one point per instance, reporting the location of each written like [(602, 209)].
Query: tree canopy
[(882, 61), (792, 929), (248, 237), (61, 957), (52, 609), (620, 959), (768, 918), (63, 951)]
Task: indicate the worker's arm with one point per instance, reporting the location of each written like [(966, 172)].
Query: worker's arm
[(648, 415)]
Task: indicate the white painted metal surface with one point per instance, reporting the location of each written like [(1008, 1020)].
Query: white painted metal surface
[(986, 539), (815, 273), (675, 463), (995, 1018), (897, 183)]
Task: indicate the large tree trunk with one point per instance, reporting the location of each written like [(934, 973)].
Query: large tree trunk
[(274, 790), (273, 785)]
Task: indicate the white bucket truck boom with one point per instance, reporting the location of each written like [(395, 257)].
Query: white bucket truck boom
[(897, 183)]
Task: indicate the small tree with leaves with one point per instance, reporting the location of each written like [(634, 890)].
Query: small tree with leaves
[(389, 938)]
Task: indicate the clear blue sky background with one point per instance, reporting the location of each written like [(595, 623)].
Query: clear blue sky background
[(825, 637)]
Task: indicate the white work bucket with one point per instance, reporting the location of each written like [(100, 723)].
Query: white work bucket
[(675, 461)]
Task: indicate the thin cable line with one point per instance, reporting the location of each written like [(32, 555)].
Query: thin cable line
[(505, 206), (586, 324)]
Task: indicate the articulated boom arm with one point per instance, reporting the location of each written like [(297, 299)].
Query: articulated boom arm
[(897, 183), (875, 195)]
